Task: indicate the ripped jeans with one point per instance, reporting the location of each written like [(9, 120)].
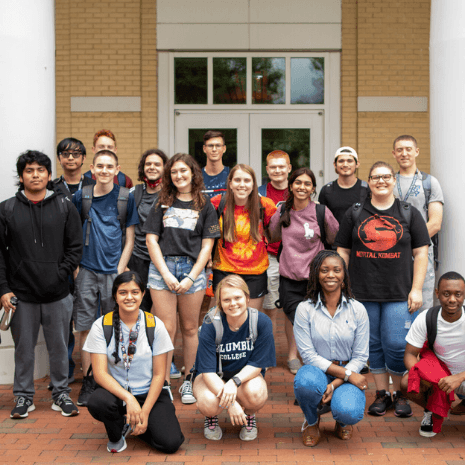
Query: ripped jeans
[(389, 324)]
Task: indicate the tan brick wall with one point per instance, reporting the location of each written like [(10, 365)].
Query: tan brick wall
[(385, 52), (108, 49)]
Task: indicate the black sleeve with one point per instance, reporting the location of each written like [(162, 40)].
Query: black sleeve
[(153, 223), (344, 235), (4, 286), (211, 229), (418, 230)]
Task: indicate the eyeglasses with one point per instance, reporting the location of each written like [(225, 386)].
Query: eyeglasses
[(214, 146), (73, 153), (384, 177)]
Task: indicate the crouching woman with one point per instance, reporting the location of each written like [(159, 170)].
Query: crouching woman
[(131, 396), (246, 350), (331, 331)]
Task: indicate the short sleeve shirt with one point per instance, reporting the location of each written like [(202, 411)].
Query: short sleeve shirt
[(181, 228), (381, 243), (141, 369), (236, 349), (103, 253), (244, 256)]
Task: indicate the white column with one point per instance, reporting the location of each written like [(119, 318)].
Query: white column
[(27, 112), (447, 107)]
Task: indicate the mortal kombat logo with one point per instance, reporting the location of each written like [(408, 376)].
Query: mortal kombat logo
[(380, 233)]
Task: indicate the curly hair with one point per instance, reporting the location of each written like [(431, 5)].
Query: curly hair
[(314, 286), (168, 191), (123, 278), (140, 168), (285, 219)]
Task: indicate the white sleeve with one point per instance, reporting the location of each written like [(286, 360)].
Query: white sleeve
[(417, 334), (162, 341), (95, 342)]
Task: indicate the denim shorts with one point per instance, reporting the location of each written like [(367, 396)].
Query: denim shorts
[(179, 267)]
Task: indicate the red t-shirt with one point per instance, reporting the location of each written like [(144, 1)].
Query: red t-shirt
[(278, 196)]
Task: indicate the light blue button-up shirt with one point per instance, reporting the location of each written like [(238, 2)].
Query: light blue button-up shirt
[(321, 338)]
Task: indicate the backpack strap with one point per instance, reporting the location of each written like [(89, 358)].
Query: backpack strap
[(122, 205), (121, 179), (426, 183), (9, 207), (432, 325), (253, 323), (107, 322), (87, 195), (138, 192), (320, 218), (150, 327), (214, 317), (357, 211), (406, 211)]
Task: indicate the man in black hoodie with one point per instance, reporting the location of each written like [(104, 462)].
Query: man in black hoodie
[(40, 246)]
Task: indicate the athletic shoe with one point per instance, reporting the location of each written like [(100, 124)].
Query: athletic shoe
[(174, 372), (382, 402), (426, 427), (249, 432), (22, 408), (115, 447), (211, 429), (294, 365), (187, 396), (65, 405), (401, 405), (86, 391)]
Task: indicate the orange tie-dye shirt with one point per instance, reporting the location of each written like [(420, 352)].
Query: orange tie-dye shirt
[(244, 256)]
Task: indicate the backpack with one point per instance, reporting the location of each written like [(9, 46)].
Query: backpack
[(138, 192), (107, 322), (432, 325), (214, 317), (320, 218), (405, 211), (122, 206)]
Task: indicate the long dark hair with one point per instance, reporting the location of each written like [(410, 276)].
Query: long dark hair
[(285, 219), (123, 278), (168, 191), (314, 287)]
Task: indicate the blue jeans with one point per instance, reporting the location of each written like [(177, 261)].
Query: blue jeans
[(347, 403), (389, 325)]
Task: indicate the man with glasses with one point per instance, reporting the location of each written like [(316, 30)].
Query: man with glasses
[(215, 174), (71, 155), (423, 192)]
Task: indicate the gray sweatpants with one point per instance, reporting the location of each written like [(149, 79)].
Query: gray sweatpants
[(429, 283), (54, 318)]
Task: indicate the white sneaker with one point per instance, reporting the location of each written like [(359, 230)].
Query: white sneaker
[(211, 429), (249, 432), (187, 395), (426, 427)]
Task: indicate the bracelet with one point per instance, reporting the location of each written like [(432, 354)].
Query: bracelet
[(187, 276), (332, 387)]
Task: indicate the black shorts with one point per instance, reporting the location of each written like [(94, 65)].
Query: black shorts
[(257, 283), (291, 293)]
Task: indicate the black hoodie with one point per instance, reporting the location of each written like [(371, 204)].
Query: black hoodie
[(40, 245)]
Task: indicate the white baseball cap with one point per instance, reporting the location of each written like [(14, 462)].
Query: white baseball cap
[(346, 151)]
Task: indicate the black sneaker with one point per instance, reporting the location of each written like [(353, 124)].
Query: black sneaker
[(426, 427), (22, 408), (401, 405), (86, 391), (65, 405), (382, 402)]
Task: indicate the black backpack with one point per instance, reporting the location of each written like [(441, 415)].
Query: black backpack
[(432, 325), (405, 211)]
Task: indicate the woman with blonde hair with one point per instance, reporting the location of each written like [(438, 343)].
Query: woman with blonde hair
[(245, 350), (243, 218)]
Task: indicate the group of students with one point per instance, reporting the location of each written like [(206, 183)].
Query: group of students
[(174, 233)]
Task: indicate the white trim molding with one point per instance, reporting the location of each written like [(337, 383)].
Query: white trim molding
[(392, 104)]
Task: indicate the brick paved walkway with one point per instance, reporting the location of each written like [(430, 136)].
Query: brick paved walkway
[(47, 437)]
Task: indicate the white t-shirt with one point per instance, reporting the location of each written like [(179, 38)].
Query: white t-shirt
[(140, 372), (449, 345)]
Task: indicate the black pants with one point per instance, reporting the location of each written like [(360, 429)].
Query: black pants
[(163, 429), (141, 267)]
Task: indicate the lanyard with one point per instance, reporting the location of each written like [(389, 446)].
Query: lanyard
[(127, 359), (410, 189), (66, 184)]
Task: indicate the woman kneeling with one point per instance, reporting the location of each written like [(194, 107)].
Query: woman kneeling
[(331, 332), (131, 373), (246, 349)]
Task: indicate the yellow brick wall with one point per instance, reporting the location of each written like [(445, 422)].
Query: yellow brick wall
[(108, 49), (385, 52)]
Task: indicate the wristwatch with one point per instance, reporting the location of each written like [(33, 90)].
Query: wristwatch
[(347, 376), (237, 380)]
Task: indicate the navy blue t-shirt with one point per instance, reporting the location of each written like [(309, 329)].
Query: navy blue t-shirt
[(236, 349), (103, 253), (216, 184)]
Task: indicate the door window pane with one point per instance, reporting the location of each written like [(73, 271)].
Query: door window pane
[(268, 79), (295, 142), (190, 85), (196, 145), (229, 80), (307, 80)]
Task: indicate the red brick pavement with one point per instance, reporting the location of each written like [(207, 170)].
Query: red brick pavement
[(47, 437)]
